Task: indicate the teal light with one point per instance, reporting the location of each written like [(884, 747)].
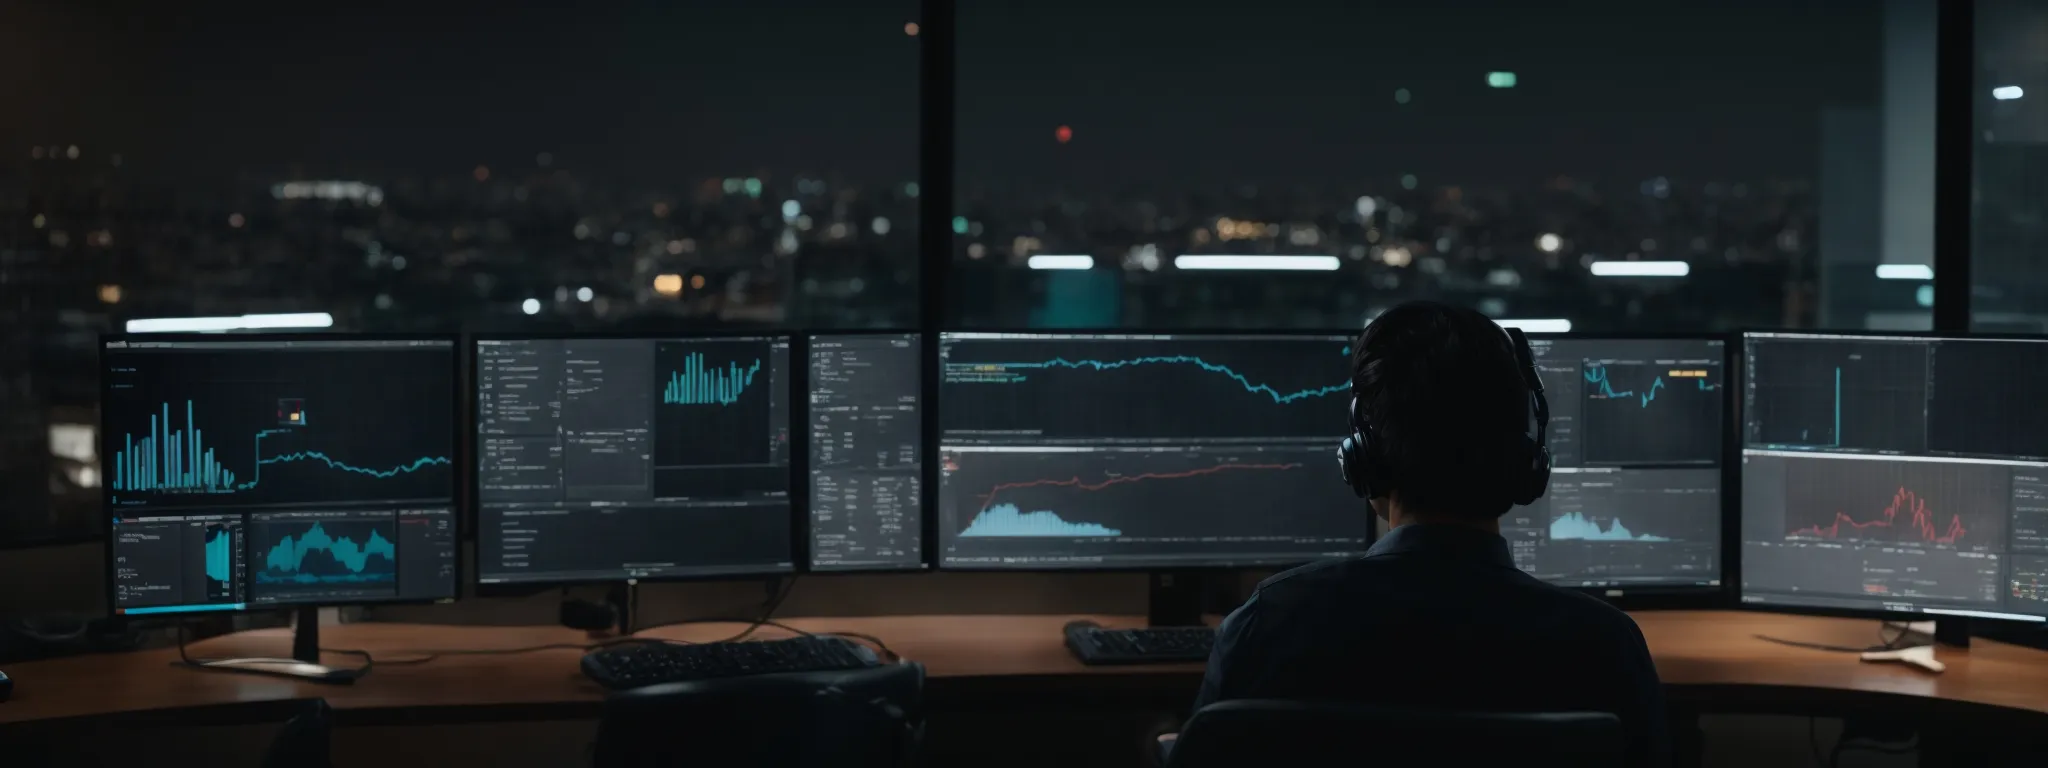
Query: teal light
[(753, 187), (1500, 79), (910, 189), (732, 186), (1924, 296), (959, 225)]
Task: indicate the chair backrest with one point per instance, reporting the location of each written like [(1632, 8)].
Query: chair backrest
[(304, 740), (856, 718), (1257, 732)]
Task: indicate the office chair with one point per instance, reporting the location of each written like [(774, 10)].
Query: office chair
[(843, 719), (1256, 732), (304, 740)]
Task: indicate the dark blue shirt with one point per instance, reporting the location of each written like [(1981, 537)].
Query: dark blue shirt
[(1438, 616)]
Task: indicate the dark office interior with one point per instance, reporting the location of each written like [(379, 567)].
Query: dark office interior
[(900, 382)]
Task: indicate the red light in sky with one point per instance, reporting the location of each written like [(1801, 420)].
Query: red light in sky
[(1064, 134)]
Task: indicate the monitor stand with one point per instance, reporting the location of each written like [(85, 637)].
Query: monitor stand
[(1952, 631), (304, 663), (1175, 599)]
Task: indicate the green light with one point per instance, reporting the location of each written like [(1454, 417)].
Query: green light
[(732, 186), (753, 187), (1924, 296), (1500, 79), (959, 225), (910, 189)]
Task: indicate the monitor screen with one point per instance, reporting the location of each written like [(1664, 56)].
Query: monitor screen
[(1144, 450), (248, 473), (1895, 474), (605, 459), (1638, 434), (866, 461)]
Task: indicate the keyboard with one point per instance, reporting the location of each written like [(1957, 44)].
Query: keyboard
[(1094, 645), (638, 665)]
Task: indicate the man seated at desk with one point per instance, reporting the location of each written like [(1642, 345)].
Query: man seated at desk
[(1447, 435)]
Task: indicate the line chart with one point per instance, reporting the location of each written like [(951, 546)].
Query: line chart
[(179, 461), (1913, 503), (1146, 389), (1078, 484), (1100, 365), (1921, 521), (1597, 374), (1671, 414)]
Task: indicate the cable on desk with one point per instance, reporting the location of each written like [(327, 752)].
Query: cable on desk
[(185, 658), (768, 609), (1884, 644), (425, 656)]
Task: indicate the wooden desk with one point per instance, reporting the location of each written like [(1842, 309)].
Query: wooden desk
[(1709, 659)]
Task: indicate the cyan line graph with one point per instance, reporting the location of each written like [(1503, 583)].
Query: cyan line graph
[(1099, 365), (1597, 374), (220, 555), (290, 553), (697, 385), (179, 461)]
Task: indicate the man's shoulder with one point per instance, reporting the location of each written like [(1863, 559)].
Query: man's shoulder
[(1582, 606), (1308, 576)]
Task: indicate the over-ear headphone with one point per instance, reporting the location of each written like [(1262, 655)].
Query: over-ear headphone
[(1529, 478)]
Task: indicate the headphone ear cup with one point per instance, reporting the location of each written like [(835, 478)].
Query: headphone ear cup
[(1539, 476), (1349, 461)]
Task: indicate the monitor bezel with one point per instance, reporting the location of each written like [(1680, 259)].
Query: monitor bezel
[(927, 463), (1742, 338), (456, 489), (933, 528), (798, 535), (1672, 596)]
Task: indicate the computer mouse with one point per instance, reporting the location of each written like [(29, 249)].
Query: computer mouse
[(6, 686)]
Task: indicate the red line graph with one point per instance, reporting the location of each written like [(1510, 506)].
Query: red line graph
[(1078, 484), (1922, 521)]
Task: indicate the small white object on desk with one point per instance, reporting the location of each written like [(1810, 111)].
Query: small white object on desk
[(1920, 656)]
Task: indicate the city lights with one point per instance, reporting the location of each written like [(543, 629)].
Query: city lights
[(1061, 261), (1905, 272), (530, 306), (1641, 269), (1063, 134), (584, 294), (2007, 92), (236, 323), (1537, 325), (1500, 79), (1263, 263), (668, 285), (1549, 243)]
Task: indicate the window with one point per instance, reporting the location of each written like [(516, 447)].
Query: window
[(1624, 166), (473, 166), (2010, 287)]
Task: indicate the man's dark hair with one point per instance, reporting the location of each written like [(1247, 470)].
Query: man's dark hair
[(1445, 398)]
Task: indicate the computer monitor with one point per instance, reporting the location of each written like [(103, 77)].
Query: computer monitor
[(866, 452), (255, 472), (1895, 474), (1144, 451), (624, 458), (1639, 431)]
